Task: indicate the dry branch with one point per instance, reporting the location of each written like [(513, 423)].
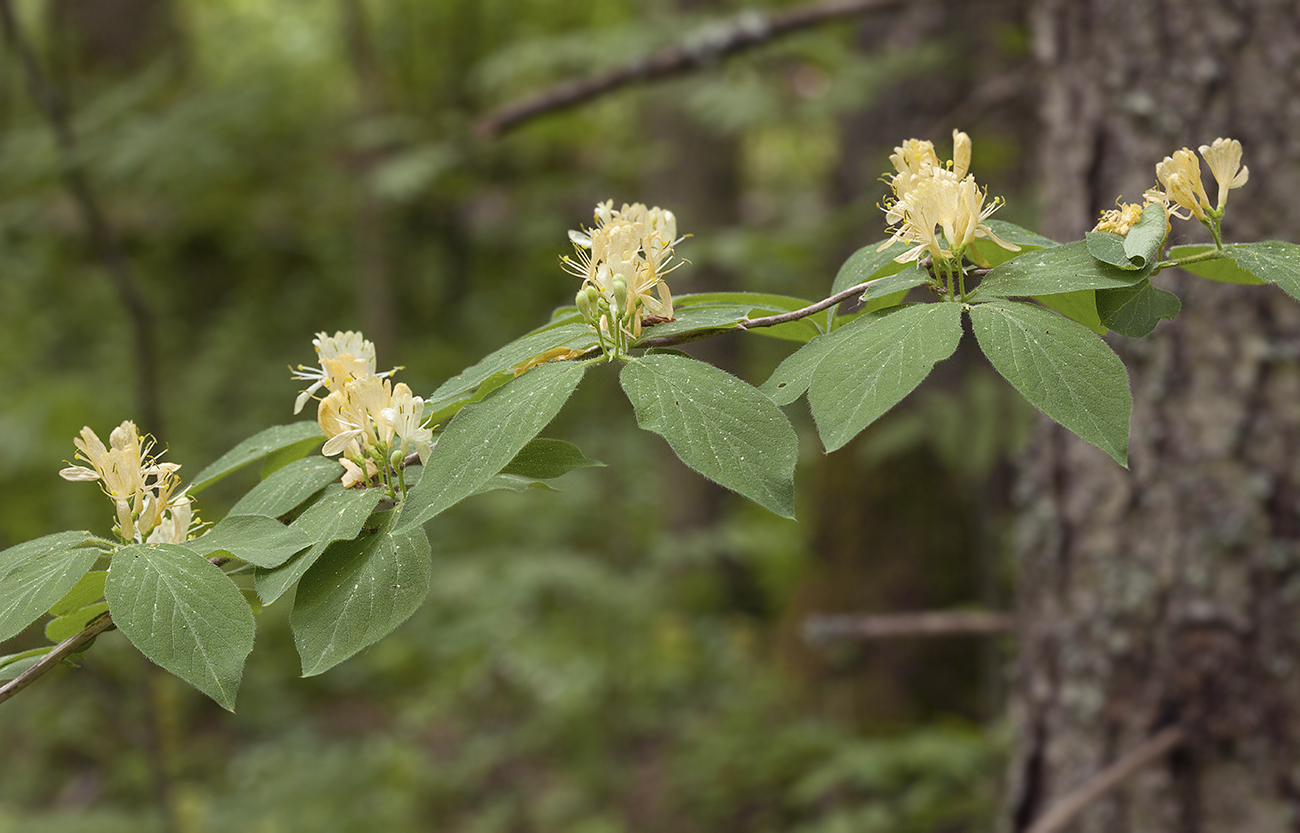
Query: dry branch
[(895, 625), (745, 31)]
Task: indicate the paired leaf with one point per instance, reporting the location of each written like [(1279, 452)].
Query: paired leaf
[(1273, 261), (289, 487), (338, 516), (544, 459), (1078, 306), (88, 590), (1134, 311), (793, 376), (257, 539), (1221, 269), (184, 614), (12, 665), (36, 575), (1059, 269), (993, 254), (1063, 369), (573, 335), (871, 364), (866, 264), (485, 436), (256, 447), (718, 425), (359, 593), (74, 622)]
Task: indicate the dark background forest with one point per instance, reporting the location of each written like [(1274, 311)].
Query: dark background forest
[(191, 189)]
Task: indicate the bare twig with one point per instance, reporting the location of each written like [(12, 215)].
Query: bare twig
[(69, 646), (893, 625), (773, 320), (1147, 752), (52, 106), (745, 31)]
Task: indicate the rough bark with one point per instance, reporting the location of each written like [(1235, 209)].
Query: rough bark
[(1169, 594)]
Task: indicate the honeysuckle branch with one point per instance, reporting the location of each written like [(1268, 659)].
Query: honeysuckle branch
[(64, 649), (896, 625), (52, 106), (1149, 751), (745, 31)]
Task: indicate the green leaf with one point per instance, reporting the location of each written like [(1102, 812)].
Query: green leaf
[(12, 665), (1222, 269), (184, 614), (287, 488), (1134, 311), (359, 593), (575, 336), (718, 425), (544, 459), (44, 546), (876, 361), (1063, 369), (74, 622), (338, 516), (257, 539), (1067, 268), (39, 573), (1139, 248), (485, 436), (994, 255), (256, 447), (793, 376), (698, 319), (867, 264), (88, 589), (1078, 306), (1274, 261)]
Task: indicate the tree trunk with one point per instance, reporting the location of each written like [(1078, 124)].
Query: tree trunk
[(1167, 595)]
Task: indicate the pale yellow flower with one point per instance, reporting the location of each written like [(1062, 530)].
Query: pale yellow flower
[(634, 244), (142, 488), (1180, 175), (1224, 159), (342, 356), (930, 196)]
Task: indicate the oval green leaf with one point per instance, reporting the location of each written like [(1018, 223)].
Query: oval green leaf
[(358, 594), (184, 614), (1063, 369), (874, 362), (718, 425)]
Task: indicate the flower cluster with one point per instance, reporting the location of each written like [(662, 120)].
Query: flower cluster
[(1183, 193), (374, 424), (143, 490), (622, 263), (930, 197)]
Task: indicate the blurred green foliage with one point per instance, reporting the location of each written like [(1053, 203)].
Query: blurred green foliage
[(610, 657)]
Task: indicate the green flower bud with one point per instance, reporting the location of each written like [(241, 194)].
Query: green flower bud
[(620, 294)]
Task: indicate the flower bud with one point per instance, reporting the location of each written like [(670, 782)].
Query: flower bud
[(583, 302), (620, 294)]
